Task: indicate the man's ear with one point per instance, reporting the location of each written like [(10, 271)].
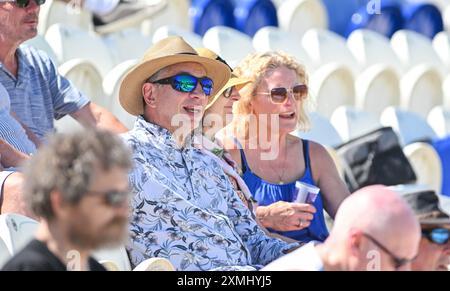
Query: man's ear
[(148, 94)]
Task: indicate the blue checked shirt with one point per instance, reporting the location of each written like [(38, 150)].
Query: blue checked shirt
[(40, 94), (185, 209)]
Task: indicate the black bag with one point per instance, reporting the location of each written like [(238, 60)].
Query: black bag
[(375, 158)]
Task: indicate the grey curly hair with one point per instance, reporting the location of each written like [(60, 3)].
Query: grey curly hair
[(67, 164)]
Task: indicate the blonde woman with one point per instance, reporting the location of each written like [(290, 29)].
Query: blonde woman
[(271, 159)]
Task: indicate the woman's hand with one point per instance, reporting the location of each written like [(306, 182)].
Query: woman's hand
[(286, 216)]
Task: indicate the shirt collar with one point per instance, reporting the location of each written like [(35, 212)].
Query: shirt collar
[(161, 134)]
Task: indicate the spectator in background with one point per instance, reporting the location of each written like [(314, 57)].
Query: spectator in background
[(272, 160), (15, 148), (435, 224), (114, 15), (77, 185), (184, 207), (374, 230), (38, 93)]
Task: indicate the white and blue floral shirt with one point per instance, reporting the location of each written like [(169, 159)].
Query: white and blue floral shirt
[(185, 209)]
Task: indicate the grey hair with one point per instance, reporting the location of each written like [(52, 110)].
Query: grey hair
[(68, 164)]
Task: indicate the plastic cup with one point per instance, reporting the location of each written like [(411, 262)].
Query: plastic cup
[(305, 193)]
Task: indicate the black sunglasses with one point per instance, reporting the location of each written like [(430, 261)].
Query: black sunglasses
[(280, 95), (227, 92), (398, 262), (438, 236), (113, 198), (187, 83), (24, 3)]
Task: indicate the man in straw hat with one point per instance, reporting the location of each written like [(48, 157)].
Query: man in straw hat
[(184, 207)]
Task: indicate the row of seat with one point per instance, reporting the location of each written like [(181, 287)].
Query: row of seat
[(17, 230), (296, 16), (347, 123)]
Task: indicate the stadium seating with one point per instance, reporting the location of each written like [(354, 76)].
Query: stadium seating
[(331, 86), (371, 48), (54, 11), (162, 32), (351, 123), (206, 14), (414, 49), (422, 17), (339, 15), (426, 164), (298, 16), (439, 120), (251, 15), (176, 13), (421, 90), (230, 44), (321, 131), (274, 39), (40, 43), (324, 47), (410, 127)]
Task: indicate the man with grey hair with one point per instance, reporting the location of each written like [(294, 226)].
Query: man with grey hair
[(77, 185), (374, 229)]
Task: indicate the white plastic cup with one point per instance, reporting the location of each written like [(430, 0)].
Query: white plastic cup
[(305, 193)]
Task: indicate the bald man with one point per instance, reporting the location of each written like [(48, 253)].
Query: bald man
[(374, 229)]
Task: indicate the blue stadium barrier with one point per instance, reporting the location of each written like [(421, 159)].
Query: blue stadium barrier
[(442, 146), (386, 21), (209, 13), (251, 15), (424, 18), (340, 12)]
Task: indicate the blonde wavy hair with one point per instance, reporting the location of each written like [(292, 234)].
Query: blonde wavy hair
[(256, 67)]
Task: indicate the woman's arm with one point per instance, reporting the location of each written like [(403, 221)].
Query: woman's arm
[(326, 176), (10, 157)]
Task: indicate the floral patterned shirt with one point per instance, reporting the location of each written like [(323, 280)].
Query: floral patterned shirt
[(185, 208)]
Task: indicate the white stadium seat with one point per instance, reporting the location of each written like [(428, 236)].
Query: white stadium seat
[(190, 37), (40, 43), (298, 16), (414, 49), (16, 231), (324, 47), (426, 164), (176, 13), (376, 88), (321, 131), (4, 253), (370, 48), (350, 122), (409, 126), (86, 78), (271, 38), (421, 90), (330, 87), (69, 42), (228, 43), (111, 85), (54, 11), (446, 89), (441, 44), (439, 120), (127, 44)]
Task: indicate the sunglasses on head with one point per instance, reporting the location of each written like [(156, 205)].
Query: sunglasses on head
[(438, 236), (280, 95), (113, 198), (187, 83), (24, 3), (398, 262)]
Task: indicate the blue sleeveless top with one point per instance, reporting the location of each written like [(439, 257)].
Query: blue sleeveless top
[(267, 193)]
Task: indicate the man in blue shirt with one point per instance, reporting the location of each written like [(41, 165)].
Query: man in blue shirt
[(38, 94)]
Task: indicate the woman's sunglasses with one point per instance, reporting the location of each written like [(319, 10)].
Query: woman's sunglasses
[(187, 83), (280, 95), (24, 3), (438, 236)]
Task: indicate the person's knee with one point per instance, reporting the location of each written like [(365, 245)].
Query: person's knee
[(12, 197)]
